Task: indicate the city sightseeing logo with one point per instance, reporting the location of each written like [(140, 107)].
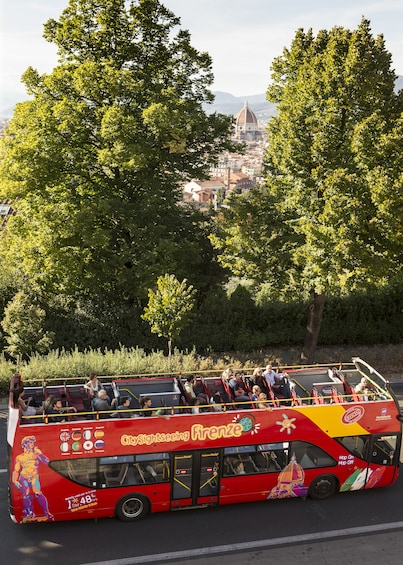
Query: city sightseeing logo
[(353, 414), (198, 432)]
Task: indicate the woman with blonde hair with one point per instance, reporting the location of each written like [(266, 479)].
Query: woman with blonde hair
[(262, 402)]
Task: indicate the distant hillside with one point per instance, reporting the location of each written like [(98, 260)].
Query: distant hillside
[(226, 103)]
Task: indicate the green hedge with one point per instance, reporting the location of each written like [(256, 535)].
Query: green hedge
[(233, 323)]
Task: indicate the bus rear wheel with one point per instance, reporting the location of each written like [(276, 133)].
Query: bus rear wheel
[(322, 487), (132, 507)]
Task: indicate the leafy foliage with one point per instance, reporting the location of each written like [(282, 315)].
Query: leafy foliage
[(329, 219), (23, 323), (169, 307), (93, 162)]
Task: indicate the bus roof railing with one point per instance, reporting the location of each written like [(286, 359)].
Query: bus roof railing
[(311, 385), (184, 409), (246, 370)]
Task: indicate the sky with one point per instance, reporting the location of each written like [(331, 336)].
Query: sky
[(242, 36)]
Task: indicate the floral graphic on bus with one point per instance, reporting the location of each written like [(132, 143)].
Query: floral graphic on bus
[(287, 424), (25, 477), (290, 482)]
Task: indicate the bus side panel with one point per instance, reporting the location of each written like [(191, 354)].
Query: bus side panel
[(247, 488), (62, 499), (244, 488)]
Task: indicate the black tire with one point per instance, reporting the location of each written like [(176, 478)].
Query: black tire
[(132, 507), (322, 487)]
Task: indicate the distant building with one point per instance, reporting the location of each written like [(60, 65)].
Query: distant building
[(202, 190), (240, 182), (247, 126), (236, 172)]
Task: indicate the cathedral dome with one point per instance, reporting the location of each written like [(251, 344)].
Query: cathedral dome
[(246, 119)]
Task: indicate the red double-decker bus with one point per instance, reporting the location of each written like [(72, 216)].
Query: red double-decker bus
[(322, 439)]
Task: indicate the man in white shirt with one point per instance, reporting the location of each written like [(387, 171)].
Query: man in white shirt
[(278, 384)]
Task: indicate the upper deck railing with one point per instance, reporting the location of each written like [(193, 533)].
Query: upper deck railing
[(306, 386)]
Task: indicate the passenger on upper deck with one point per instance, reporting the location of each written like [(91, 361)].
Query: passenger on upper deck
[(262, 402), (195, 404), (24, 406), (204, 400), (93, 386), (216, 402), (256, 390), (365, 388), (237, 386), (277, 382), (56, 409), (189, 386), (227, 374), (145, 405), (102, 404), (123, 407), (258, 378), (47, 403)]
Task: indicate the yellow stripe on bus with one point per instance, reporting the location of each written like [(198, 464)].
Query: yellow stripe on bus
[(329, 419)]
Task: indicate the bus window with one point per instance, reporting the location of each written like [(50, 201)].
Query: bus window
[(357, 445), (116, 459), (311, 456), (384, 450), (272, 457), (82, 471), (239, 449), (238, 460), (251, 459), (115, 471), (153, 467)]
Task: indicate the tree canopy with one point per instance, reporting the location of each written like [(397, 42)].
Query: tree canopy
[(23, 324), (329, 218), (93, 162), (169, 307)]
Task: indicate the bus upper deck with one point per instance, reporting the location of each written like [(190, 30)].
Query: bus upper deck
[(308, 385)]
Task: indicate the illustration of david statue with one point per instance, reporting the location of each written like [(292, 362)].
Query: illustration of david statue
[(26, 478)]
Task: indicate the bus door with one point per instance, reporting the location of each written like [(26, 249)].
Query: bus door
[(385, 451), (195, 478)]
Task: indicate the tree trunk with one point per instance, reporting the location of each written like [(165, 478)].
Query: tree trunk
[(315, 314), (169, 349)]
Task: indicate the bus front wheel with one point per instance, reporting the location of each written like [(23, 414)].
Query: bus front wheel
[(322, 487), (132, 507)]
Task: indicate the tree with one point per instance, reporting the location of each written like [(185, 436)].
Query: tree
[(329, 219), (23, 323), (93, 162), (169, 308)]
